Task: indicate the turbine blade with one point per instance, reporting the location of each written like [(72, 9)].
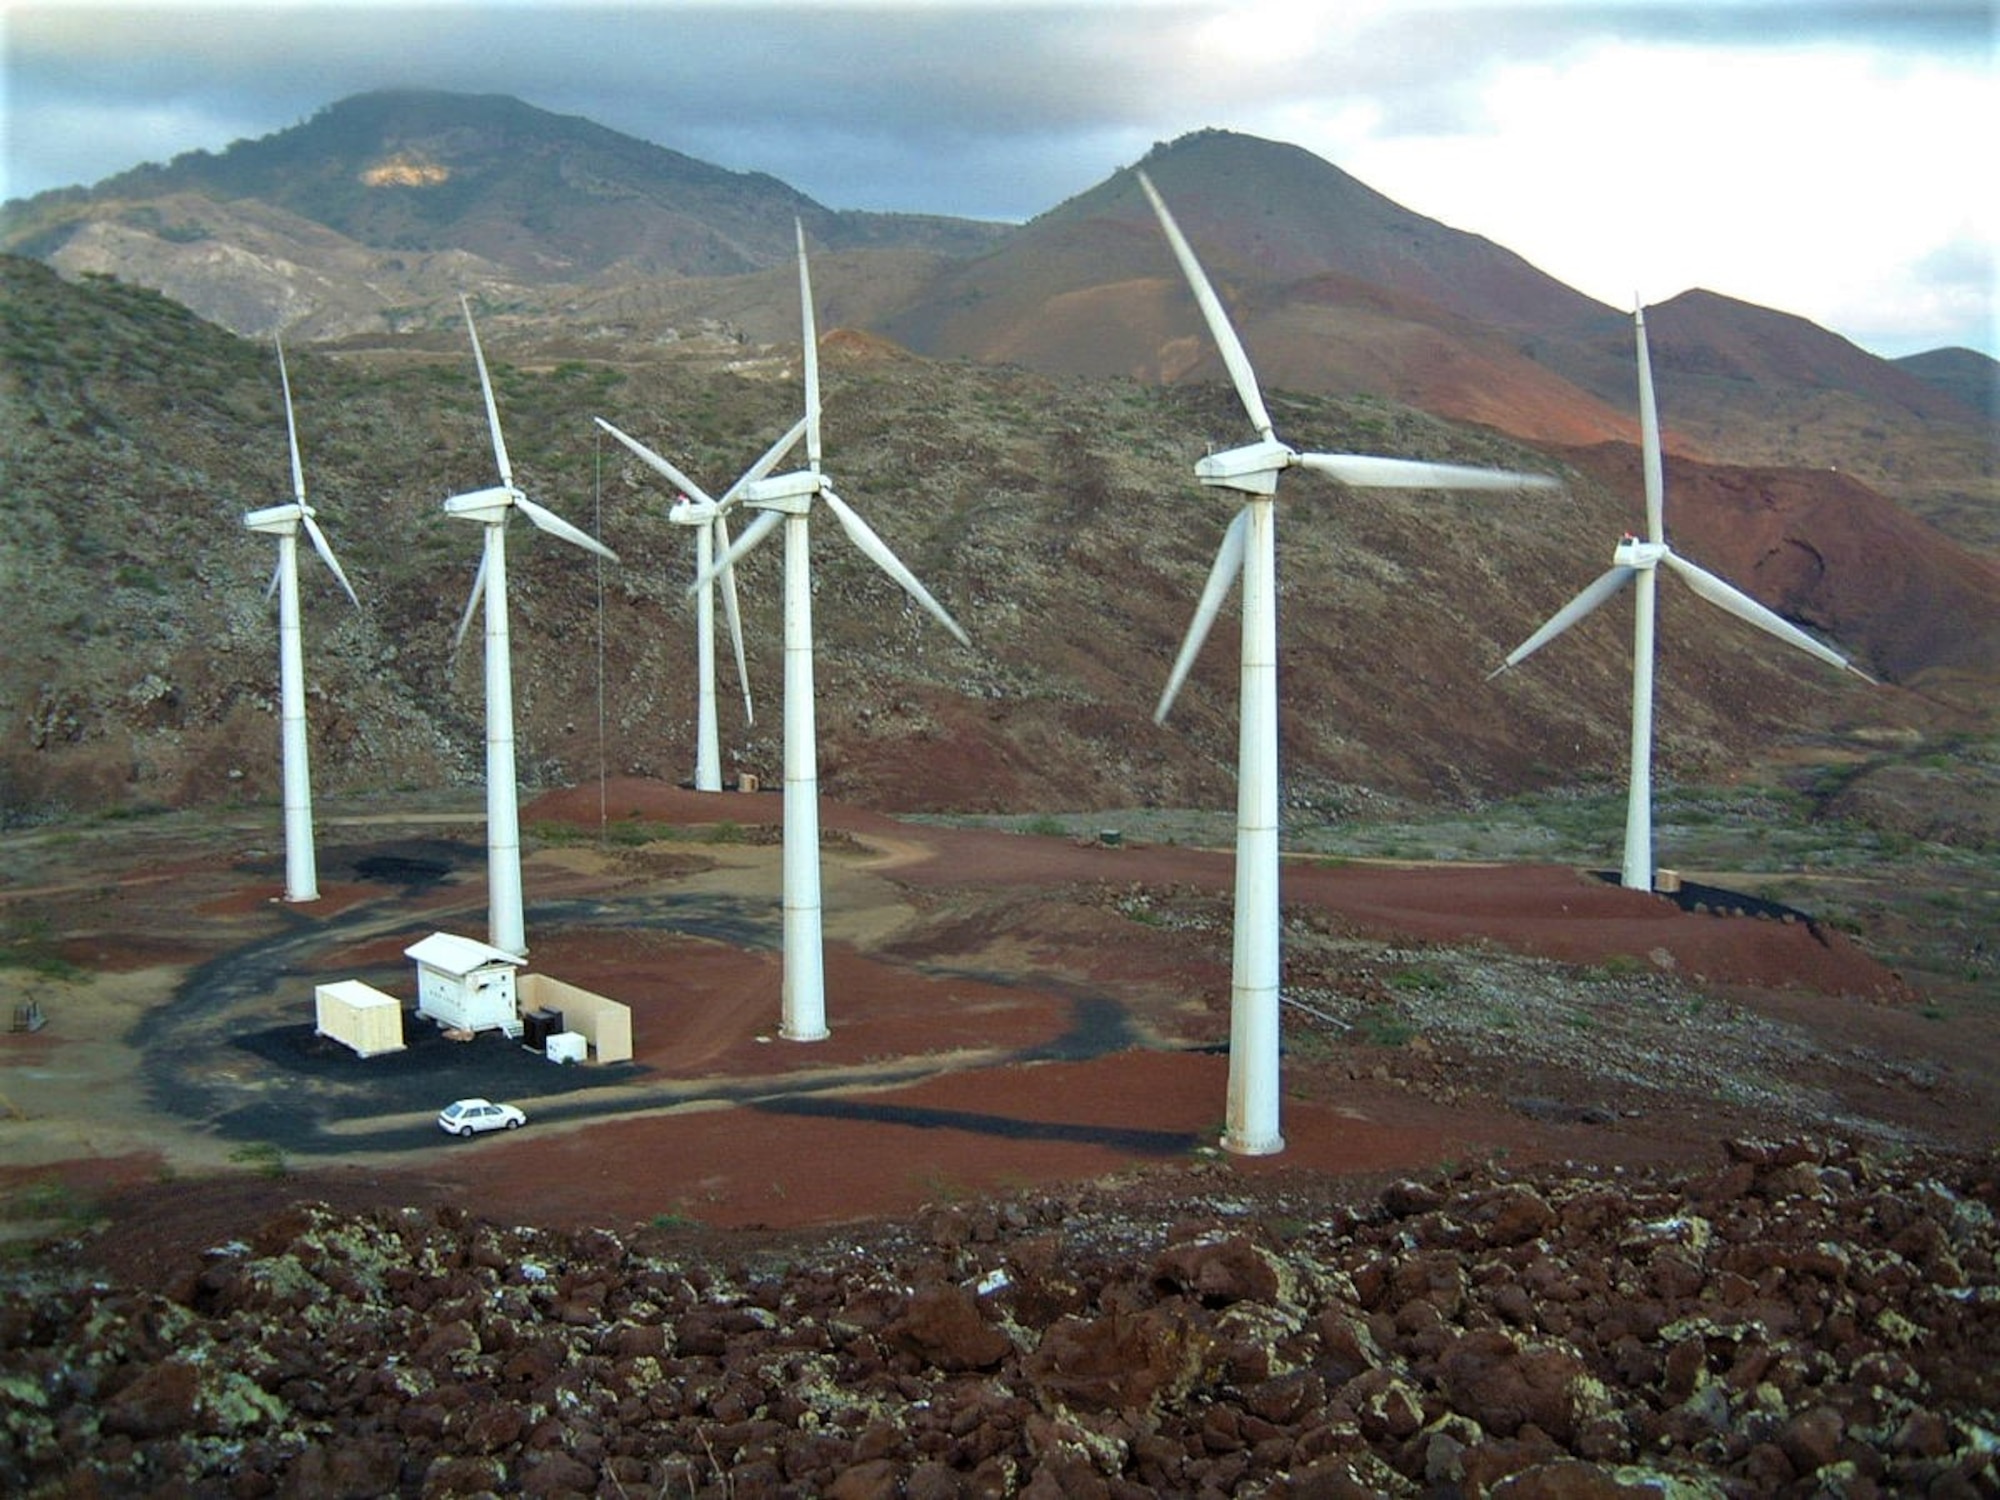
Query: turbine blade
[(1741, 605), (291, 425), (733, 613), (277, 575), (660, 465), (325, 551), (1231, 347), (555, 525), (1367, 472), (486, 389), (877, 551), (1603, 587), (766, 521), (1649, 438), (1224, 572), (773, 455), (471, 603), (811, 337)]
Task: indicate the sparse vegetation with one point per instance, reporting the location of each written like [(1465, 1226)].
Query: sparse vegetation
[(43, 1201), (265, 1158), (1380, 1027), (1423, 978), (27, 944)]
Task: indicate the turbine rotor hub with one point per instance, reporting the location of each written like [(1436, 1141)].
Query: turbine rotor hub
[(1634, 553)]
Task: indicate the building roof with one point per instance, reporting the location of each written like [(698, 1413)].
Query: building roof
[(450, 954)]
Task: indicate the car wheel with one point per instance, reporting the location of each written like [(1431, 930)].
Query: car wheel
[(464, 1131), (513, 1124)]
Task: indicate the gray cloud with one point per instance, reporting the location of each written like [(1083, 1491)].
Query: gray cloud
[(841, 103)]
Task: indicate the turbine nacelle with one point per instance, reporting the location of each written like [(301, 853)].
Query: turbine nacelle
[(792, 494), (1252, 469), (488, 505), (278, 520), (686, 512), (288, 521), (1634, 553)]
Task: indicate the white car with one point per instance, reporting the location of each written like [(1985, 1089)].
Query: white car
[(469, 1116)]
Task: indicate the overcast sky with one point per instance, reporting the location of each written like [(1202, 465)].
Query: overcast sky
[(1832, 158)]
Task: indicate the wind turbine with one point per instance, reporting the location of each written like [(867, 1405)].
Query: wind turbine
[(789, 498), (706, 518), (493, 508), (1637, 562), (284, 522), (1249, 549)]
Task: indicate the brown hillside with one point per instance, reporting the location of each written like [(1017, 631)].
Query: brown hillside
[(1828, 552), (1330, 333), (1057, 520), (1745, 385), (1322, 336), (1332, 286)]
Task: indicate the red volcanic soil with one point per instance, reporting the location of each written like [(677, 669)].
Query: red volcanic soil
[(1008, 1027)]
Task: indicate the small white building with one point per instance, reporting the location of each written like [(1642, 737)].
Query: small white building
[(359, 1016), (465, 984)]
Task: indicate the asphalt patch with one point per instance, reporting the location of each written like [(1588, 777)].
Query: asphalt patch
[(408, 865), (1717, 901), (323, 1083)]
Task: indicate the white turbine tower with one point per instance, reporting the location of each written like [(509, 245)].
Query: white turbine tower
[(1637, 562), (284, 522), (706, 517), (1249, 549), (790, 497), (493, 508)]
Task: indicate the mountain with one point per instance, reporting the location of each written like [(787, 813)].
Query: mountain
[(545, 197), (1336, 287), (374, 213)]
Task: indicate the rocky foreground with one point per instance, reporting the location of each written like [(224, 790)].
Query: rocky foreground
[(1800, 1319)]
